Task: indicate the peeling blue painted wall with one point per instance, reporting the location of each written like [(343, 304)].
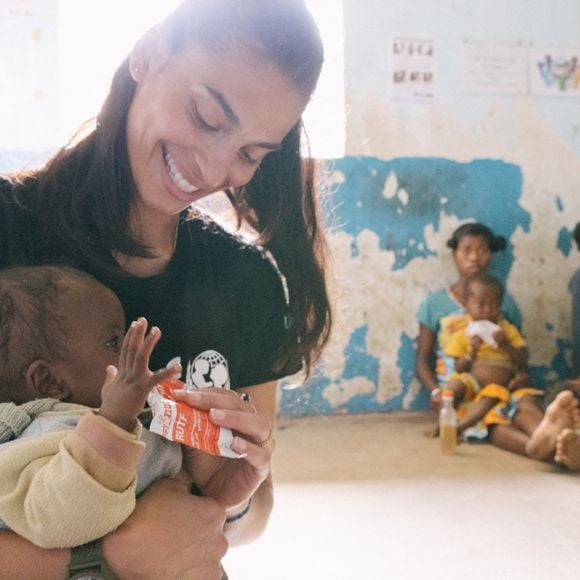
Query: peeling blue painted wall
[(425, 192), (486, 190)]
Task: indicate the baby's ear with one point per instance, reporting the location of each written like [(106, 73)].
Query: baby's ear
[(42, 380)]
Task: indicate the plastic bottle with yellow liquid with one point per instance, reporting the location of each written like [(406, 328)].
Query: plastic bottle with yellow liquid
[(448, 423)]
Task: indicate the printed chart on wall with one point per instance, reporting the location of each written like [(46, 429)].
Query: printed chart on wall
[(555, 72), (412, 69), (494, 69), (28, 73)]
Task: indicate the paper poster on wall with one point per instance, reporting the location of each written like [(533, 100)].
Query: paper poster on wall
[(412, 69), (28, 73), (555, 72), (490, 69)]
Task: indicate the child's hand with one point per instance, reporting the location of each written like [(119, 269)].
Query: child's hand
[(476, 343), (500, 337), (125, 390)]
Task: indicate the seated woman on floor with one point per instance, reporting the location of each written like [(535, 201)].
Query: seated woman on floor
[(443, 311)]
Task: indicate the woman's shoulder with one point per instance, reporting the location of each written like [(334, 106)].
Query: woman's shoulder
[(5, 194), (7, 188), (224, 247), (15, 226), (13, 191), (439, 299), (437, 304), (438, 295), (511, 310), (6, 182), (235, 262), (509, 299)]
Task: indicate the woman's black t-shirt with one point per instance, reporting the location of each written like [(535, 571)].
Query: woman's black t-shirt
[(220, 304)]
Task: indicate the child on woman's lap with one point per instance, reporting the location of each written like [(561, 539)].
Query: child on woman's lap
[(493, 381), (487, 354), (443, 312), (63, 356), (511, 417)]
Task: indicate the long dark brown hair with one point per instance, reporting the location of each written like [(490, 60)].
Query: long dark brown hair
[(84, 195)]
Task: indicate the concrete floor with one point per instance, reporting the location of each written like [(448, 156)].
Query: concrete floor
[(368, 496)]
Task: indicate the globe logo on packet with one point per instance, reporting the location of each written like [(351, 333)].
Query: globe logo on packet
[(181, 423), (208, 369)]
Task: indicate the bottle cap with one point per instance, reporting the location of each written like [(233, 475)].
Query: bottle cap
[(447, 393)]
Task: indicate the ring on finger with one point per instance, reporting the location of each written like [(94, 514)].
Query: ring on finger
[(266, 441)]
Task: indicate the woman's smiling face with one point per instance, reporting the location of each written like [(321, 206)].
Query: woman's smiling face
[(200, 122)]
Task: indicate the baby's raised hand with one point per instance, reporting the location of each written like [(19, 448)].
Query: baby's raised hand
[(126, 388)]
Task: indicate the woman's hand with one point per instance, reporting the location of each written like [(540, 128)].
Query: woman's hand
[(232, 482), (171, 534), (436, 399)]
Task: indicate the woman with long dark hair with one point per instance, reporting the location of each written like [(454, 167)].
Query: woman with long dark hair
[(209, 100)]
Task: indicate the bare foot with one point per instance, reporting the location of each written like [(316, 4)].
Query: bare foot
[(560, 415), (568, 449)]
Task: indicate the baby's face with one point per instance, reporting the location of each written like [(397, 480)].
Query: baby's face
[(482, 302), (95, 326)]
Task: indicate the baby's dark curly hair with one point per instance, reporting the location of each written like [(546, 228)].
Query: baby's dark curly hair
[(486, 280), (31, 321), (495, 243)]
